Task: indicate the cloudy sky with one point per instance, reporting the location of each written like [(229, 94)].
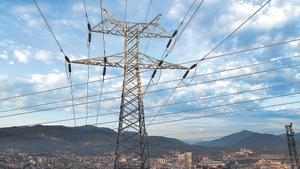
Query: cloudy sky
[(30, 61)]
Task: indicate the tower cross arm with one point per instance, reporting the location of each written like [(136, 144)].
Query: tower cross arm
[(117, 60), (110, 25)]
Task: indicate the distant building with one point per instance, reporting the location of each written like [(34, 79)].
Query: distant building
[(211, 164), (188, 160), (161, 161)]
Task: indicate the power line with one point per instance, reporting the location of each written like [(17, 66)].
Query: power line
[(183, 119), (87, 84), (73, 104), (165, 102), (104, 67), (147, 13), (52, 108), (185, 26), (85, 11), (229, 104), (235, 30), (231, 69), (202, 82), (151, 107), (49, 27), (100, 97), (125, 10), (175, 34), (89, 55), (181, 23), (245, 50), (118, 97), (103, 36), (202, 98), (224, 113), (209, 81), (80, 84), (60, 88), (114, 77), (148, 10), (66, 58), (166, 52), (219, 44), (223, 95), (184, 111)]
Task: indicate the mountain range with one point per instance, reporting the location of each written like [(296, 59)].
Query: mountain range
[(84, 139), (98, 140), (261, 143)]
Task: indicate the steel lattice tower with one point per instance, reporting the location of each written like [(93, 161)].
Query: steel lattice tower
[(131, 144), (292, 147)]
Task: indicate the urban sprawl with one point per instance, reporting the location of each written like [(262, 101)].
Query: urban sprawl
[(242, 159)]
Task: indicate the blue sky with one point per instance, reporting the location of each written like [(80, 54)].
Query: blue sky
[(30, 61)]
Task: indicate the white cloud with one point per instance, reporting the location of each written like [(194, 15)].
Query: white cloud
[(42, 55), (24, 9), (274, 15), (243, 8), (176, 10), (67, 23), (277, 16), (25, 53), (3, 56), (297, 76), (22, 55), (79, 8), (26, 13), (31, 21), (3, 77), (48, 81)]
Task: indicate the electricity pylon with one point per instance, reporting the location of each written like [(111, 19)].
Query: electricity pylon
[(131, 145), (292, 147)]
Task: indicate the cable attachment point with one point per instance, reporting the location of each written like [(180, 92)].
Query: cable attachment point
[(89, 27), (104, 71), (160, 63), (155, 70), (153, 74), (169, 43), (193, 66), (67, 59), (105, 61), (90, 37), (104, 68), (188, 71), (174, 34), (69, 68)]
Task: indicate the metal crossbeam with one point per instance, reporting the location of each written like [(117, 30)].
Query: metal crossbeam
[(111, 25), (148, 62)]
